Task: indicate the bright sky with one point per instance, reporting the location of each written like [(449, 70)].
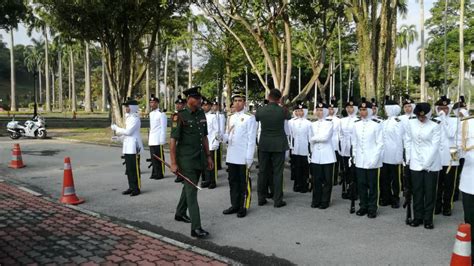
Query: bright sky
[(413, 17)]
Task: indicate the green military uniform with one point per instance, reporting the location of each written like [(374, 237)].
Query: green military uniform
[(188, 130), (272, 147)]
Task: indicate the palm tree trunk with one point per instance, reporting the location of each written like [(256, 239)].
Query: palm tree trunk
[(73, 86), (60, 81), (147, 88), (157, 67), (40, 85), (46, 72), (408, 68), (53, 98), (12, 74), (87, 89), (69, 87), (190, 67), (461, 49), (165, 78), (422, 54), (104, 90), (175, 72)]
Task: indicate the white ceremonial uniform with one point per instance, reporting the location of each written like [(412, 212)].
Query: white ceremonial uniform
[(467, 175), (158, 123), (347, 126), (322, 150), (132, 140), (404, 120), (336, 122), (448, 138), (422, 147), (393, 132), (300, 130), (240, 135), (367, 143), (212, 130)]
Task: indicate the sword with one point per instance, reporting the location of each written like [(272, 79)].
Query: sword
[(178, 173)]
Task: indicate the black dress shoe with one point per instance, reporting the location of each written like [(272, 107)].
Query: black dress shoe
[(361, 212), (396, 204), (134, 193), (372, 215), (447, 212), (345, 195), (323, 206), (127, 192), (242, 213), (437, 211), (384, 203), (280, 204), (205, 184), (429, 226), (199, 233), (182, 218), (156, 177), (315, 205), (262, 202), (212, 186), (178, 179), (416, 223), (304, 191), (269, 196), (230, 210)]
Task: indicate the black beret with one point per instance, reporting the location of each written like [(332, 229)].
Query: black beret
[(364, 103), (153, 98), (422, 108), (461, 103), (388, 101), (130, 101), (193, 92), (443, 101), (179, 100)]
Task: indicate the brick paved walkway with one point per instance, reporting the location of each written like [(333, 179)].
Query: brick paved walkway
[(34, 230)]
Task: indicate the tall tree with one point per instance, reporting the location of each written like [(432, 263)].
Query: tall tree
[(12, 75), (87, 78), (423, 91), (410, 35)]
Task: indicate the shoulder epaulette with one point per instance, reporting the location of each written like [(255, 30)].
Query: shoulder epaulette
[(467, 118), (357, 120), (376, 120), (436, 121), (248, 113), (413, 117), (397, 119), (328, 119)]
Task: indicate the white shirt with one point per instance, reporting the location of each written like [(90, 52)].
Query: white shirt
[(393, 141), (300, 131), (422, 147), (367, 143), (404, 120), (347, 125), (158, 123), (132, 140), (240, 135), (466, 184), (448, 139), (336, 121), (212, 130), (322, 151)]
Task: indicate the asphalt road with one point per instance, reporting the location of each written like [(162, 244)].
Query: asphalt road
[(293, 234)]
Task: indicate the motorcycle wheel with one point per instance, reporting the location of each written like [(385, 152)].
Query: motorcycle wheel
[(42, 134), (15, 135)]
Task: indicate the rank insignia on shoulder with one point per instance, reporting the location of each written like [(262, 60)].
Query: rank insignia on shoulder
[(328, 119), (397, 119), (436, 121), (358, 119), (413, 117), (376, 120)]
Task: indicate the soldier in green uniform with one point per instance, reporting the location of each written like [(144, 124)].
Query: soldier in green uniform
[(272, 147), (189, 152)]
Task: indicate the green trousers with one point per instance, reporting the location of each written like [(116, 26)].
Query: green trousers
[(188, 199), (270, 162)]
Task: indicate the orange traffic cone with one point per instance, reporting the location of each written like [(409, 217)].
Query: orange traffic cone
[(462, 247), (69, 192), (17, 161)]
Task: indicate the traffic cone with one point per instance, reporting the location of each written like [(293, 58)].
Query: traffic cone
[(69, 192), (17, 161), (462, 247)]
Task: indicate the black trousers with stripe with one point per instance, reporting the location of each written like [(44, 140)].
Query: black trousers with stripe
[(336, 168), (424, 194), (132, 168), (322, 183), (390, 183), (240, 186), (300, 171), (210, 176), (158, 168), (368, 188), (446, 186)]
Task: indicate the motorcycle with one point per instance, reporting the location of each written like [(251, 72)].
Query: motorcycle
[(35, 128)]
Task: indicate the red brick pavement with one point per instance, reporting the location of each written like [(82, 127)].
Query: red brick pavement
[(35, 231)]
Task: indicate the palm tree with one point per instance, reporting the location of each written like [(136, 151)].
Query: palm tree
[(34, 60), (12, 73), (87, 88), (422, 54), (401, 44), (461, 48), (410, 35)]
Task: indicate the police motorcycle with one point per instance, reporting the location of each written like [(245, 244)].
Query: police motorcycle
[(34, 128)]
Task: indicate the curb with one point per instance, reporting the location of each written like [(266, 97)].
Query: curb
[(179, 244)]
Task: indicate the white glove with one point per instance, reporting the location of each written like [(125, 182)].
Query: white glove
[(113, 127), (350, 161), (249, 163)]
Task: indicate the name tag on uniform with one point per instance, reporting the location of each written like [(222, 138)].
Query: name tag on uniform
[(203, 121)]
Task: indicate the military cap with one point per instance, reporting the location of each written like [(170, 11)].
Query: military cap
[(237, 93), (461, 103), (333, 102), (215, 102), (351, 102), (364, 103), (443, 101), (321, 105), (407, 100), (300, 105), (193, 92), (153, 98), (388, 101), (374, 102), (180, 100), (130, 101), (205, 100), (422, 109)]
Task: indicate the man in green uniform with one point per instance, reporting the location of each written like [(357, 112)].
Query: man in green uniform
[(189, 152), (272, 147)]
